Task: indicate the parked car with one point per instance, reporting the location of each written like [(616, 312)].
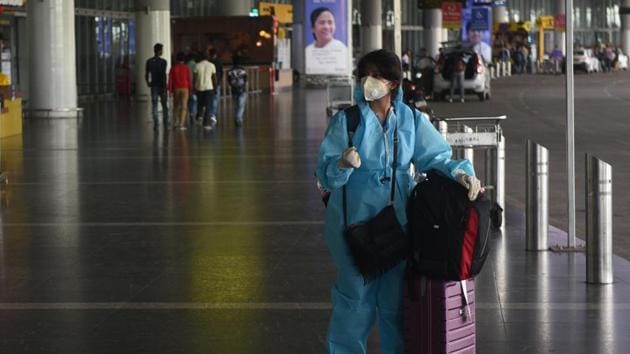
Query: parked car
[(622, 60), (476, 75), (583, 59)]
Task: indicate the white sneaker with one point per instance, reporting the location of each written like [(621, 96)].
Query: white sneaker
[(182, 127)]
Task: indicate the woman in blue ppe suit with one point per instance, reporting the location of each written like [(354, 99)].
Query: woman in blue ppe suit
[(365, 170)]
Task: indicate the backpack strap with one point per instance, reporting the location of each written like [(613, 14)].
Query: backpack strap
[(413, 113), (353, 117), (394, 164)]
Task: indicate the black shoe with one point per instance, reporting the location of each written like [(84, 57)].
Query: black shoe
[(238, 123)]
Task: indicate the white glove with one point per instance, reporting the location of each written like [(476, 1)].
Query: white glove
[(350, 159), (471, 183)]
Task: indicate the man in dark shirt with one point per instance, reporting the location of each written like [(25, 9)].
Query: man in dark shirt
[(155, 75), (237, 78), (214, 105)]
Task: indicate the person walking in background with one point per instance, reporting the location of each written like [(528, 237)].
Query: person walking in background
[(609, 57), (180, 86), (406, 63), (155, 76), (205, 84), (504, 54), (519, 59), (191, 61), (214, 106), (525, 55), (237, 77), (459, 69), (556, 58)]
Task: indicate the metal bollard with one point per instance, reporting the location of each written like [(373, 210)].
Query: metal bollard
[(500, 185), (495, 172), (509, 68), (537, 197), (599, 268)]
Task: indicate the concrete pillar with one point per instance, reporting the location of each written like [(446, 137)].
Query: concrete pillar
[(371, 25), (297, 36), (52, 65), (23, 55), (432, 31), (560, 36), (624, 11), (153, 25), (234, 7), (398, 27), (500, 13)]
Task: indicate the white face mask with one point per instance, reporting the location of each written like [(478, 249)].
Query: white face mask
[(374, 89)]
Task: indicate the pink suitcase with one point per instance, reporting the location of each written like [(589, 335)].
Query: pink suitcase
[(438, 318)]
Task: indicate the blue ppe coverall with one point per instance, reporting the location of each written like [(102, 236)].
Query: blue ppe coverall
[(355, 305)]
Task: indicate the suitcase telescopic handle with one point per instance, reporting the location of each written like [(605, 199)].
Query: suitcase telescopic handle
[(464, 285)]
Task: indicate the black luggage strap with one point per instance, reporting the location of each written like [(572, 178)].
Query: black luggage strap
[(353, 117)]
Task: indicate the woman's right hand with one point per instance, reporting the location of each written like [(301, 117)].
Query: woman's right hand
[(350, 159)]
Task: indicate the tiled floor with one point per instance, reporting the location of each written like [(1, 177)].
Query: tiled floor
[(116, 239)]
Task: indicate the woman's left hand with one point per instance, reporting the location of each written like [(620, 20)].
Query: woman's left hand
[(471, 183)]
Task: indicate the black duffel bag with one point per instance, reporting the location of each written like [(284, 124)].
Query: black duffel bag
[(450, 234)]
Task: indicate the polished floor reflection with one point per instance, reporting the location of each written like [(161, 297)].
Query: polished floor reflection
[(119, 239)]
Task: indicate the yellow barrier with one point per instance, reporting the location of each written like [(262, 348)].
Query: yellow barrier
[(11, 118)]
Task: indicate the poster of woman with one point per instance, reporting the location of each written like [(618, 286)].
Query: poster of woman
[(327, 38)]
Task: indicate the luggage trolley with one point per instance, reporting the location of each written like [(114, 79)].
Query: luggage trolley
[(339, 95), (469, 134)]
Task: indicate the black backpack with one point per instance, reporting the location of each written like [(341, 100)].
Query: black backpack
[(236, 79), (450, 234)]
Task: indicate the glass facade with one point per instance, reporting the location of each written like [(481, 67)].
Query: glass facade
[(594, 20), (105, 47)]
